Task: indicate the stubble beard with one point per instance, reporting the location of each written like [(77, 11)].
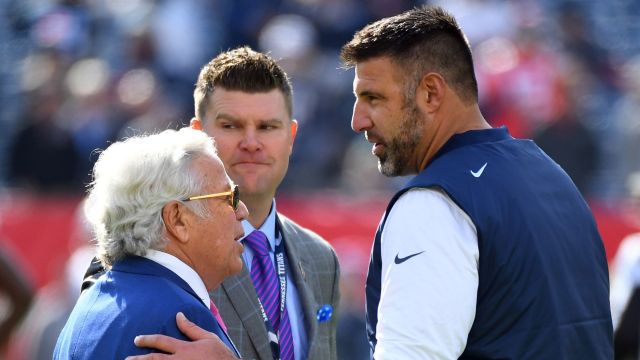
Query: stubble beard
[(395, 160)]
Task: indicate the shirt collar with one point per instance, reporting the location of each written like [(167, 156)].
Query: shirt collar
[(184, 271), (268, 227)]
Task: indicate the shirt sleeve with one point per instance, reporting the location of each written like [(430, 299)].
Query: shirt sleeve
[(429, 274)]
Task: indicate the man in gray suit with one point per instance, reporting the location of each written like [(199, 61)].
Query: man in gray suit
[(243, 100)]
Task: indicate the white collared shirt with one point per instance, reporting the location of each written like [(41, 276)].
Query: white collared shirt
[(294, 306), (184, 271)]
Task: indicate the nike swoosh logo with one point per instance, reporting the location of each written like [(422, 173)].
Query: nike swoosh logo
[(479, 172), (400, 260)]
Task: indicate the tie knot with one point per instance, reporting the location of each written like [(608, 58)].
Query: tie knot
[(258, 242)]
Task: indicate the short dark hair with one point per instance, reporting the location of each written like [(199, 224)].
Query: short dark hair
[(241, 69), (420, 40)]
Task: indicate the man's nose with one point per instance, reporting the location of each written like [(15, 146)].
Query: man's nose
[(242, 213), (360, 120), (250, 141)]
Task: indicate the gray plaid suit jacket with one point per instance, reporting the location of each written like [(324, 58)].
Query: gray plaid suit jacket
[(315, 271)]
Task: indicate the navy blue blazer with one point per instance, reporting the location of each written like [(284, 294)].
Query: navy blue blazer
[(136, 297)]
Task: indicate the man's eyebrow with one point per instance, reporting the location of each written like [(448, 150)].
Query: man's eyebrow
[(367, 93), (225, 116), (229, 117), (272, 120)]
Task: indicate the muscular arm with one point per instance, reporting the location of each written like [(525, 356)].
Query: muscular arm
[(429, 279)]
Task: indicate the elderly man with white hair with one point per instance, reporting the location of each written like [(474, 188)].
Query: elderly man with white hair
[(167, 222)]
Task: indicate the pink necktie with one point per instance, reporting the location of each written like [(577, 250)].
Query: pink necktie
[(216, 314)]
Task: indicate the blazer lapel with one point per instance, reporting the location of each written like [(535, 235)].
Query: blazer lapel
[(242, 296), (298, 265)]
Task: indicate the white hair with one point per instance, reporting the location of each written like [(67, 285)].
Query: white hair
[(133, 180)]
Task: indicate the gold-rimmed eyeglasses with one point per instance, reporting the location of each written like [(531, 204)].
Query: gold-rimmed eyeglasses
[(234, 197)]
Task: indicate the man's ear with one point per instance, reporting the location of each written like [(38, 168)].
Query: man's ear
[(195, 124), (294, 132), (176, 221), (430, 92), (294, 128)]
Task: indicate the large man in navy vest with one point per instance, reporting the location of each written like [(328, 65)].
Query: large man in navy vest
[(489, 251)]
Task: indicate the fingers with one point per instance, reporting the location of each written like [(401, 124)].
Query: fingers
[(206, 345), (154, 356), (191, 330), (158, 342)]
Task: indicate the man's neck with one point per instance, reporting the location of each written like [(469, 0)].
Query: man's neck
[(460, 120), (259, 208)]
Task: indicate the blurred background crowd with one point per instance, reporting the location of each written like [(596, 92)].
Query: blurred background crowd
[(76, 75)]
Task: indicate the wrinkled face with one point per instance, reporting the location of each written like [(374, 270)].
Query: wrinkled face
[(390, 119), (254, 136), (214, 246)]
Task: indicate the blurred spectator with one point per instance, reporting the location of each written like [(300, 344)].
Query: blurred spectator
[(579, 42), (567, 140), (597, 86), (143, 102), (625, 298), (625, 150), (13, 37), (569, 143), (43, 156), (185, 35), (314, 164), (165, 40), (64, 26), (484, 19), (521, 81), (53, 303), (15, 298), (87, 112), (625, 285)]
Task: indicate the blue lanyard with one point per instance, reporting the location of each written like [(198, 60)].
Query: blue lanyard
[(281, 269)]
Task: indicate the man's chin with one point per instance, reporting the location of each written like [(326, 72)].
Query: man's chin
[(249, 171), (389, 169), (251, 190), (253, 186), (386, 169)]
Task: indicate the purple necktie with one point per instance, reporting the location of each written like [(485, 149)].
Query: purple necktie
[(267, 284)]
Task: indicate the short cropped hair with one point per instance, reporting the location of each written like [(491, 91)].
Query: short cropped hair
[(241, 69), (421, 40), (133, 180)]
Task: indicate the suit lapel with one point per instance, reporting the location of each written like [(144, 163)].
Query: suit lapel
[(298, 265), (242, 296)]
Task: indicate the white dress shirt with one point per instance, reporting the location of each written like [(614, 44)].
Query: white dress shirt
[(184, 271), (429, 278), (294, 307)]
